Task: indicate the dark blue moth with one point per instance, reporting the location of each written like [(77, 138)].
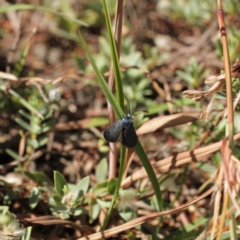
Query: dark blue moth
[(122, 131)]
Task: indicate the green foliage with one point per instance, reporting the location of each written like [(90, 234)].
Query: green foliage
[(112, 184), (128, 215), (27, 235), (136, 86), (46, 9), (36, 120), (66, 201), (34, 197), (193, 74), (231, 6), (153, 57), (5, 215), (93, 14), (9, 225), (236, 85), (94, 209), (60, 184), (102, 170), (193, 11), (188, 232), (44, 184), (38, 177), (233, 36)]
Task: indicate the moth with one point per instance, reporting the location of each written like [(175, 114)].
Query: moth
[(123, 130)]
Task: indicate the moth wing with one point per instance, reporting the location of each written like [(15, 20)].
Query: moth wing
[(129, 136), (113, 132), (120, 136)]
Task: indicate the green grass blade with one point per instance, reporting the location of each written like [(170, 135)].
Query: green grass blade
[(150, 172), (117, 74), (17, 7), (109, 95), (13, 154), (120, 99), (27, 235), (116, 193)]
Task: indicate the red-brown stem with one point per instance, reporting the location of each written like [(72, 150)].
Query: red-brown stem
[(227, 151), (227, 73), (111, 84)]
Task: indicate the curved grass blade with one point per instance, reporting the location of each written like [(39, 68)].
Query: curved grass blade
[(109, 95), (117, 75), (15, 7), (150, 172)]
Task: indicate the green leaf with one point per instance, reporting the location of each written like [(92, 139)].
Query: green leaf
[(103, 184), (33, 142), (128, 214), (112, 184), (25, 114), (23, 124), (61, 209), (154, 203), (102, 170), (82, 187), (37, 177), (94, 211), (13, 154), (34, 197), (101, 189), (5, 215), (131, 192), (42, 177), (59, 183), (33, 128), (64, 216), (104, 204), (47, 125), (78, 211), (27, 234), (43, 140), (30, 176), (101, 192), (57, 199)]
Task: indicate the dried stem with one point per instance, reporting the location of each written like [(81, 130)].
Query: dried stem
[(227, 73), (227, 150)]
